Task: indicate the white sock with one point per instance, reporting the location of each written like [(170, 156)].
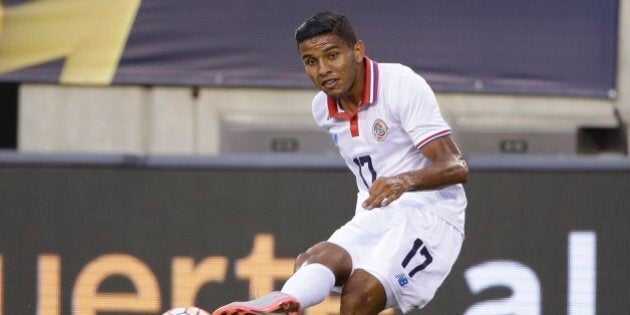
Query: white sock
[(310, 285)]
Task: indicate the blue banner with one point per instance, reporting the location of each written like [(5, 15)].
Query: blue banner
[(561, 47)]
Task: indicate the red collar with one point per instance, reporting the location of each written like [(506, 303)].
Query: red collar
[(370, 92)]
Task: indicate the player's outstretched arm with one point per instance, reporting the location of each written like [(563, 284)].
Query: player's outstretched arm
[(448, 167)]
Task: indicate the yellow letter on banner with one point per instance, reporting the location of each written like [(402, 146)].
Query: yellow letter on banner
[(261, 267), (88, 301), (48, 284), (188, 278), (90, 34), (1, 14)]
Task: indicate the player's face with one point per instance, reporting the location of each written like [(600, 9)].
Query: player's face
[(331, 63)]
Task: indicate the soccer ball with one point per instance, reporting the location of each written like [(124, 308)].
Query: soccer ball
[(191, 310)]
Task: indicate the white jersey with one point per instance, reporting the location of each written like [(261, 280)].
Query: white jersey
[(398, 116)]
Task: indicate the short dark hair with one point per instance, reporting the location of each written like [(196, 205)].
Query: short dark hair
[(326, 23)]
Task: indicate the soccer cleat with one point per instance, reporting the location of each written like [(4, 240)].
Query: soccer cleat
[(273, 303)]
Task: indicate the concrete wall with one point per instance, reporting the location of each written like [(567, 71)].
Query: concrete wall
[(150, 120), (163, 120), (169, 120)]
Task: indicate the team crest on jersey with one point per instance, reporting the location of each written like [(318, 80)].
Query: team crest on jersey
[(379, 130), (335, 138)]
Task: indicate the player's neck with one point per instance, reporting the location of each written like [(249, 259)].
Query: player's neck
[(351, 101), (350, 107)]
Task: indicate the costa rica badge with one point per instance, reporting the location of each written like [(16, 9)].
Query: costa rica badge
[(379, 130)]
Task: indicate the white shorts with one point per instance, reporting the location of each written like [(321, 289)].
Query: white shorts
[(410, 251)]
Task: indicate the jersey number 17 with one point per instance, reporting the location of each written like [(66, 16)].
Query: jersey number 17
[(361, 163)]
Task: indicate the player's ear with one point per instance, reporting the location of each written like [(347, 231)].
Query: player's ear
[(359, 51)]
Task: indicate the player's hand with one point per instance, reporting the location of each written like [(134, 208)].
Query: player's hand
[(383, 192)]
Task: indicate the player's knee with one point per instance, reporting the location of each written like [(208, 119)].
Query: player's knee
[(311, 256), (301, 259), (329, 255), (321, 253)]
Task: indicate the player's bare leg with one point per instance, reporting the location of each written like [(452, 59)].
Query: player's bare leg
[(363, 294)]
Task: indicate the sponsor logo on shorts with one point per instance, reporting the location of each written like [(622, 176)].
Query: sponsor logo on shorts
[(402, 279), (379, 130)]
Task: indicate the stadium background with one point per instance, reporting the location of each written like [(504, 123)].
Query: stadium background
[(133, 129)]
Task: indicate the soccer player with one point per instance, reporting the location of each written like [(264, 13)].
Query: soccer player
[(408, 226)]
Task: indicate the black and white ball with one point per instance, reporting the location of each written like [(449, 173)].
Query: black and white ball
[(191, 310)]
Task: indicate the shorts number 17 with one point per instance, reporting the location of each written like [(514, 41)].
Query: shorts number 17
[(414, 250)]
